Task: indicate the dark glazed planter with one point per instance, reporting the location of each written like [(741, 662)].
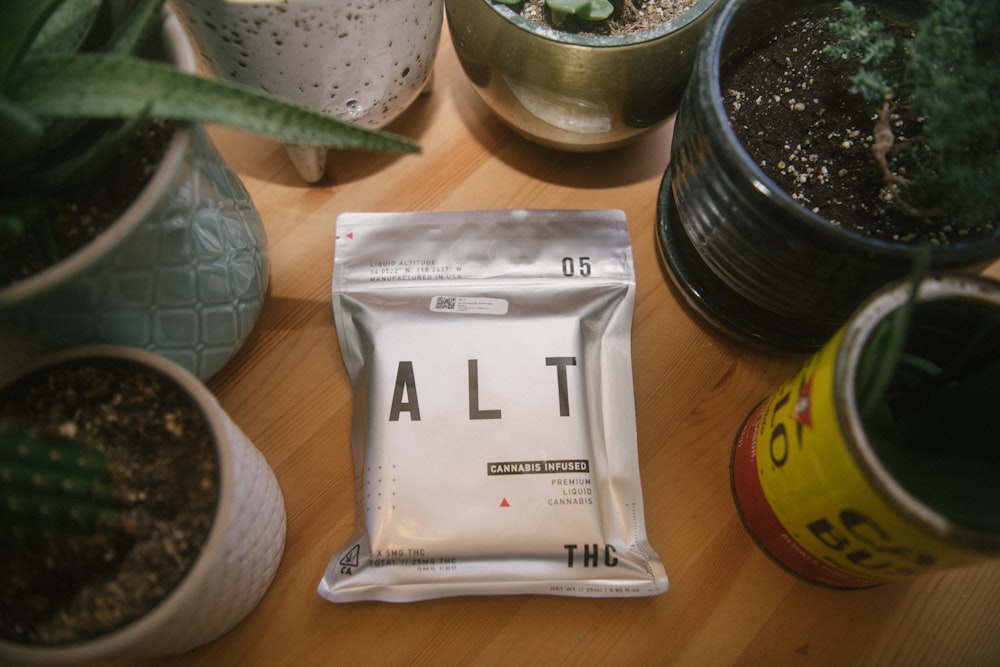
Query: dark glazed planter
[(744, 255)]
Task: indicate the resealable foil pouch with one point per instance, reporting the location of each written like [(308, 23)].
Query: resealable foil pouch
[(493, 434)]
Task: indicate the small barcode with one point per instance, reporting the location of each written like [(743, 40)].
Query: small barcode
[(445, 303)]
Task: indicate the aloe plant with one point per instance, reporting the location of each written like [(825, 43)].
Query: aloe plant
[(51, 486), (588, 10), (58, 91)]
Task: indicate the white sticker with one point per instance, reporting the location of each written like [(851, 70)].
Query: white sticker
[(473, 305)]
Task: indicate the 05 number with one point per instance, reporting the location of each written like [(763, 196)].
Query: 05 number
[(571, 268)]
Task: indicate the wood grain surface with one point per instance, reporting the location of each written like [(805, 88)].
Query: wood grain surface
[(728, 603)]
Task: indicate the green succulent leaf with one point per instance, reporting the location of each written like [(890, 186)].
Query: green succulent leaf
[(136, 27), (588, 10), (23, 212), (88, 162), (884, 353), (64, 32), (102, 86), (13, 223), (74, 88), (21, 21), (67, 27), (20, 132)]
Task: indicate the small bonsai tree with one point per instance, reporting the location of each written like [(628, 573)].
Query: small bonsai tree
[(949, 81), (69, 98)]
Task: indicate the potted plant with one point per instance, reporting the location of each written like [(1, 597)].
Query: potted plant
[(581, 85), (877, 461), (771, 264), (138, 520), (363, 63), (101, 241)]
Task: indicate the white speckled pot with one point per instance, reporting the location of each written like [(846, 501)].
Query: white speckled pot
[(364, 61), (238, 560)]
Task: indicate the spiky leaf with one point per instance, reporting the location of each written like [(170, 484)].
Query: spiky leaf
[(102, 86), (67, 27), (20, 23), (20, 133), (136, 27)]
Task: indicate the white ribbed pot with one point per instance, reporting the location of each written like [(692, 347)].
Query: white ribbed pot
[(182, 272), (364, 62), (237, 562)]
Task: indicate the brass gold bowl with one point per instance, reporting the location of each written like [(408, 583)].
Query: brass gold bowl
[(574, 92)]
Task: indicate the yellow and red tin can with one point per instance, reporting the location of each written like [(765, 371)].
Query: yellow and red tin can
[(812, 490)]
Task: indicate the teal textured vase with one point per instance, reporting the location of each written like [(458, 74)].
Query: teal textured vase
[(182, 273)]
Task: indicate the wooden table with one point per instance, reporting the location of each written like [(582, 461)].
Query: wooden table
[(728, 603)]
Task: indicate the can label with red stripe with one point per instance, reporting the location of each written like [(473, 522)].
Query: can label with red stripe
[(809, 501)]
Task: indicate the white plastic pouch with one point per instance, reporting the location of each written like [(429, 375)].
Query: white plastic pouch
[(493, 433)]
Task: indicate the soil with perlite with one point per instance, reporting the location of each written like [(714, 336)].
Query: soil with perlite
[(630, 16), (76, 214), (72, 585), (791, 107)]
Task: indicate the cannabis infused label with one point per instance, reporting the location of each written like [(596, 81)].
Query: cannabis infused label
[(493, 406), (806, 498)]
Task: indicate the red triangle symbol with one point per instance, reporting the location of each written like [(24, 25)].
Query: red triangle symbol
[(504, 503), (350, 235)]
